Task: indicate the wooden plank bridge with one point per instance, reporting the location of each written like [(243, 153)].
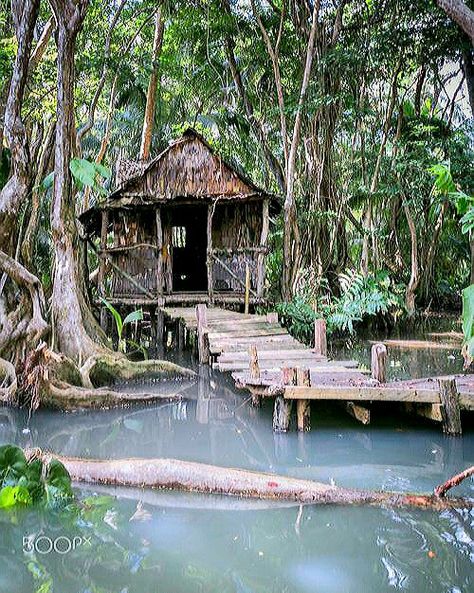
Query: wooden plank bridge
[(268, 362)]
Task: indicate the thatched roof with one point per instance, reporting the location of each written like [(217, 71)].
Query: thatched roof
[(188, 169)]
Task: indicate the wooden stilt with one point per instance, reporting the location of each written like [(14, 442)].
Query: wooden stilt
[(282, 408), (202, 338), (379, 362), (247, 288), (303, 406), (449, 397), (320, 340), (159, 321), (254, 370)]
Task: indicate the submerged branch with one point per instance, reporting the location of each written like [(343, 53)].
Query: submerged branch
[(454, 481)]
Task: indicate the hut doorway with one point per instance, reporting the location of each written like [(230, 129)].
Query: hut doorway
[(189, 248)]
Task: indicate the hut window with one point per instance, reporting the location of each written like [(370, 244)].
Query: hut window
[(179, 236)]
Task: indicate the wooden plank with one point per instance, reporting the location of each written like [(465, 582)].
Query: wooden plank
[(247, 333), (317, 366), (228, 346), (347, 392), (242, 355)]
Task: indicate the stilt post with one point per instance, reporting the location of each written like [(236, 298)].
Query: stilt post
[(254, 371), (247, 289), (203, 341), (449, 397), (282, 407), (320, 340), (303, 406), (379, 362)]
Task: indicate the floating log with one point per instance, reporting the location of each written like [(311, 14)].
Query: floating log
[(420, 344), (190, 476)]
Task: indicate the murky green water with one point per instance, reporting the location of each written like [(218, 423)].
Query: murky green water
[(130, 541)]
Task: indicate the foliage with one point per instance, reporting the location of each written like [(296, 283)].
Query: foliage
[(85, 174), (468, 324), (120, 323), (360, 299), (25, 482)]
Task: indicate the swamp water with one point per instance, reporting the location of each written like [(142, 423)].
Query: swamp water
[(128, 541)]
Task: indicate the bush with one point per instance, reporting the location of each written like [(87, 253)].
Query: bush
[(361, 298)]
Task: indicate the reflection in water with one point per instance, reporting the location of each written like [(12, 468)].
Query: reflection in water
[(175, 542)]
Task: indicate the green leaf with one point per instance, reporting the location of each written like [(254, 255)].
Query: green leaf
[(83, 172), (57, 484), (47, 182), (133, 316), (116, 315), (13, 495), (12, 464), (104, 172)]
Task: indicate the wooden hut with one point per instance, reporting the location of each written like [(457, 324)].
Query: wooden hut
[(184, 228)]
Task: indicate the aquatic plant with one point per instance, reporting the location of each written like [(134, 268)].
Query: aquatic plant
[(120, 323), (32, 481)]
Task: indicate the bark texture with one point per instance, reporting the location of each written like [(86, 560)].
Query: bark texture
[(152, 87), (16, 190), (461, 14), (199, 477)]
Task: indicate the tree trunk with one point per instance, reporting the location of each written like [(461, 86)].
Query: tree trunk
[(468, 67), (210, 479), (152, 86), (414, 277), (461, 14), (18, 186), (289, 206), (70, 312)]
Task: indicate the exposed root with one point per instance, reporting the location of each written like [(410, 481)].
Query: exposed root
[(199, 477), (71, 397), (104, 369), (53, 380), (26, 322), (8, 382)]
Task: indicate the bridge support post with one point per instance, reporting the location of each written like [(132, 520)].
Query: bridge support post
[(202, 338), (282, 407), (303, 406), (450, 410)]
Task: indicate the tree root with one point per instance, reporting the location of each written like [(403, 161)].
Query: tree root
[(72, 397), (199, 477), (8, 375), (53, 380), (106, 368)]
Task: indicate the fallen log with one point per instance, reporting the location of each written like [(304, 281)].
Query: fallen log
[(190, 476)]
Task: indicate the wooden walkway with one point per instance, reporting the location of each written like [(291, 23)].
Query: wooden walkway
[(266, 361)]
